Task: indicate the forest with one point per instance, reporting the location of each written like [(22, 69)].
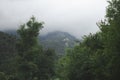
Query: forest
[(96, 57)]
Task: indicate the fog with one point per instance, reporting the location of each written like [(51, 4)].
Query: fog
[(78, 17)]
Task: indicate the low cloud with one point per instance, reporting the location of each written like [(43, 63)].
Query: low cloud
[(77, 17)]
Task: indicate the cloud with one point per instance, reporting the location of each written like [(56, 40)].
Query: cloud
[(77, 17)]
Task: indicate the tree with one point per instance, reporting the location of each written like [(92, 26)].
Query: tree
[(111, 38), (28, 34), (28, 49), (33, 63), (84, 60), (46, 65)]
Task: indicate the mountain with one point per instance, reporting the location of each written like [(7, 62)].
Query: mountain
[(58, 40), (7, 48), (7, 43), (11, 32)]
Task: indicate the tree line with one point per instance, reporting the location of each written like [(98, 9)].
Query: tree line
[(97, 57), (31, 61)]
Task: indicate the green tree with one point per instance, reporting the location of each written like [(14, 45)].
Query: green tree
[(84, 60), (32, 62), (46, 63), (28, 50), (111, 38)]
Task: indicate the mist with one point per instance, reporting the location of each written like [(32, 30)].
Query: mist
[(77, 17)]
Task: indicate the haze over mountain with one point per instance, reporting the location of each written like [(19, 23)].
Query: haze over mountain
[(77, 17)]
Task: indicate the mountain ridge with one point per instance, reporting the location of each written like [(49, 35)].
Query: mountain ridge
[(57, 40)]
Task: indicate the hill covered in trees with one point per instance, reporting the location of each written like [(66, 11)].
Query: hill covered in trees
[(57, 40), (7, 50)]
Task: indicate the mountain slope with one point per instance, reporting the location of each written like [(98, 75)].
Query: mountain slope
[(58, 40), (7, 49)]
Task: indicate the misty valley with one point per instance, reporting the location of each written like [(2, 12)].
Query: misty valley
[(25, 54)]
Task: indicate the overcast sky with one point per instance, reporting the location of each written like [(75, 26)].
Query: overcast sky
[(77, 17)]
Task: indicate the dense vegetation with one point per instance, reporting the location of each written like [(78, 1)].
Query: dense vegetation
[(95, 58), (58, 41), (30, 62), (7, 51), (98, 56)]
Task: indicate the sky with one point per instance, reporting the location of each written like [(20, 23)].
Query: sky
[(77, 17)]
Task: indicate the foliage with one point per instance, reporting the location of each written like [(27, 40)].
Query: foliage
[(7, 52), (58, 41), (95, 58), (80, 62), (111, 36), (3, 76)]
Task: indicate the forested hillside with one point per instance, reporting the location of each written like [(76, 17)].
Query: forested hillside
[(7, 50), (59, 41), (7, 44)]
